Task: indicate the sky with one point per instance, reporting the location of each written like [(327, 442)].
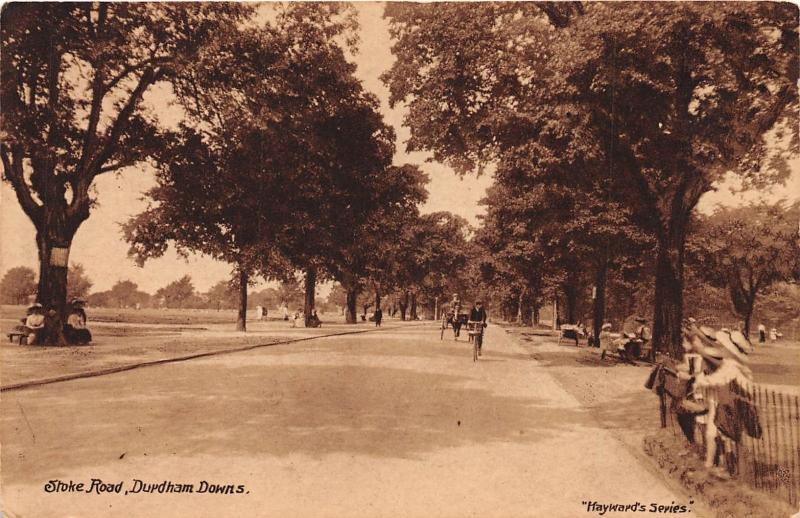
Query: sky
[(99, 246)]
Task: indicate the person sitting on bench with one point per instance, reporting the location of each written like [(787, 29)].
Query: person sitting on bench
[(34, 323), (75, 330)]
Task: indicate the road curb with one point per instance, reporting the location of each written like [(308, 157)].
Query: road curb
[(131, 366)]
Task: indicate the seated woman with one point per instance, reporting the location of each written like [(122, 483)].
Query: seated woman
[(75, 330), (315, 321), (34, 324)]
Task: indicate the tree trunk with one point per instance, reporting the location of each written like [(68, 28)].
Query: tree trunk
[(350, 312), (525, 308), (748, 314), (310, 292), (536, 315), (241, 317), (668, 305), (599, 302), (555, 312), (53, 247), (377, 300), (746, 322), (413, 306), (436, 308), (570, 302), (403, 303)]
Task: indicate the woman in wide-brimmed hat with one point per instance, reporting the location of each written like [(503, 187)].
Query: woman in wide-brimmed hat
[(34, 323), (75, 330)]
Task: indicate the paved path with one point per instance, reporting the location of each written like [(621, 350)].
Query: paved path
[(392, 423)]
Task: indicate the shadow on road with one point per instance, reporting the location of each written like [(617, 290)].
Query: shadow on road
[(190, 410)]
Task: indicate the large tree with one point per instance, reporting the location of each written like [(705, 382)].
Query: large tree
[(746, 250), (668, 96), (249, 173), (73, 79)]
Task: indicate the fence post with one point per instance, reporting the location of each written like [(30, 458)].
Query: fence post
[(662, 406)]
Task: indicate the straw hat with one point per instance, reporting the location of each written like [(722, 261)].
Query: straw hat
[(741, 342), (725, 341), (708, 332), (35, 305)]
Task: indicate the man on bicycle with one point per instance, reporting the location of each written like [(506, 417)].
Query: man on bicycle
[(478, 314)]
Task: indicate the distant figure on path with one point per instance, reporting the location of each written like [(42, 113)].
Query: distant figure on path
[(762, 333), (378, 317), (453, 311), (606, 340), (285, 312)]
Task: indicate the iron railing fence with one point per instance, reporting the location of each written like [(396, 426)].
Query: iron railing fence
[(758, 437)]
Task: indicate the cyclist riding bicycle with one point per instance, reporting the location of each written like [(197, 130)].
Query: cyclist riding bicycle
[(478, 314)]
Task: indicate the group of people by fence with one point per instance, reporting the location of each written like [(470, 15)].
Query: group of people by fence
[(712, 399)]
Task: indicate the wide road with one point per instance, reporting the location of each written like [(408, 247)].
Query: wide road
[(388, 423)]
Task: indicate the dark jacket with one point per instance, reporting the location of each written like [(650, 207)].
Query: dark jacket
[(478, 315)]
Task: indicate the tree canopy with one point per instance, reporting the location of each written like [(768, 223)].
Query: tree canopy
[(746, 250), (509, 83), (72, 82)]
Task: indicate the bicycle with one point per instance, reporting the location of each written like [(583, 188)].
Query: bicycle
[(475, 332)]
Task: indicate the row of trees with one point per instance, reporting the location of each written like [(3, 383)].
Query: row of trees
[(604, 124), (18, 284), (281, 162), (282, 165)]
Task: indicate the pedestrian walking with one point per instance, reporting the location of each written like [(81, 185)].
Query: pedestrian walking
[(762, 333), (378, 317)]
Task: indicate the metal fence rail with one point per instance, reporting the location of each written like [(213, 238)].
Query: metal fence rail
[(766, 453)]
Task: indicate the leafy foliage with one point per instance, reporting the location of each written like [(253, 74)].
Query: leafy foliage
[(746, 250), (71, 85), (18, 284), (78, 284), (571, 101), (177, 293)]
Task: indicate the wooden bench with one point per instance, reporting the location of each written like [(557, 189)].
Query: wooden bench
[(18, 336), (570, 332)]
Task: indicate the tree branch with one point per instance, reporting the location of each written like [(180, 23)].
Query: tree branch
[(116, 165), (148, 78), (12, 168), (133, 67)]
